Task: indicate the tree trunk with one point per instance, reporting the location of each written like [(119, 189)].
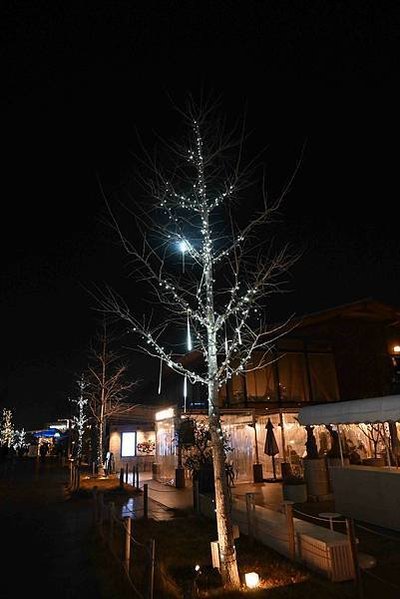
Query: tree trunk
[(228, 561), (229, 568), (100, 465)]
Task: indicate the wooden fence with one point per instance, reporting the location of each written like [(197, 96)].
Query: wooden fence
[(137, 560)]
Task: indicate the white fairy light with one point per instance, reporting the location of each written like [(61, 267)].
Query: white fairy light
[(160, 377), (184, 392), (183, 246), (188, 335)]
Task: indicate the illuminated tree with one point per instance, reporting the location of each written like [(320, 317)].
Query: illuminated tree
[(198, 453), (107, 388), (20, 441), (7, 428), (216, 290), (80, 420)]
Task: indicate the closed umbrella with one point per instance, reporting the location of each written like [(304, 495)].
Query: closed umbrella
[(271, 447)]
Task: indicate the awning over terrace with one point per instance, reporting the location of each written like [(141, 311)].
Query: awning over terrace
[(373, 409)]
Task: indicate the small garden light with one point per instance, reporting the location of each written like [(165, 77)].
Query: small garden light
[(252, 580)]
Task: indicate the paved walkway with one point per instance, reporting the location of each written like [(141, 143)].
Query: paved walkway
[(268, 494), (44, 537)]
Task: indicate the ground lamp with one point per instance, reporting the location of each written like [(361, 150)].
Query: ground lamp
[(252, 580)]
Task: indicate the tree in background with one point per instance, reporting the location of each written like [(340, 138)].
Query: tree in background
[(79, 421), (7, 429), (20, 442), (216, 291), (107, 389)]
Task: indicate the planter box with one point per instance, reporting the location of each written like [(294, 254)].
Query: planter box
[(155, 470), (374, 462), (205, 477), (317, 478), (296, 493), (335, 463)]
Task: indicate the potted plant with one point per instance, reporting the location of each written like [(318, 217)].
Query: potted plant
[(333, 454), (197, 456), (294, 487), (315, 469), (333, 457)]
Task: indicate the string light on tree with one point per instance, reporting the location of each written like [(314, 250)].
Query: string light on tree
[(20, 441), (80, 420), (183, 248), (216, 301), (7, 428)]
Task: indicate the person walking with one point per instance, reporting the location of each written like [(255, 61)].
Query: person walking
[(43, 450)]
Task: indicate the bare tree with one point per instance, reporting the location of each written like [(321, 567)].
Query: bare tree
[(80, 420), (216, 290), (107, 389), (376, 435), (7, 428)]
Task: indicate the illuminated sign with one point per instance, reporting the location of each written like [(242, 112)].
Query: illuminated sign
[(128, 445), (164, 414)]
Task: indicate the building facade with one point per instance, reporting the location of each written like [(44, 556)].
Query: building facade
[(348, 352)]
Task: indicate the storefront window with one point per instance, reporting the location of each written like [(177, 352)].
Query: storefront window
[(241, 440), (165, 449), (128, 445)]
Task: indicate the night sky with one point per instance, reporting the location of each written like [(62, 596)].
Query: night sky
[(80, 84)]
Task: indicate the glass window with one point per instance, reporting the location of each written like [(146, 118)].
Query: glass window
[(323, 377), (128, 445), (396, 374), (293, 377), (260, 384), (238, 389)]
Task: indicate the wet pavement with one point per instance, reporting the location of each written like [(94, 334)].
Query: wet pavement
[(44, 536), (168, 496)]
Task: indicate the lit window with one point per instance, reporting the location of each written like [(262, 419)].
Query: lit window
[(128, 445)]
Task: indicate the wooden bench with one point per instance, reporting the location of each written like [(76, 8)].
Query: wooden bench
[(321, 549)]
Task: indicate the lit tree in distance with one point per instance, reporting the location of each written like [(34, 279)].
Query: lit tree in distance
[(80, 420), (218, 293), (107, 389), (20, 441), (7, 428)]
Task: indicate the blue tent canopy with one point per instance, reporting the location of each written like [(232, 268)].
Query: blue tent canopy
[(47, 433)]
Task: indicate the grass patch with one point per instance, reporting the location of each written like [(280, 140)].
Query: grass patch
[(183, 543), (110, 486)]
